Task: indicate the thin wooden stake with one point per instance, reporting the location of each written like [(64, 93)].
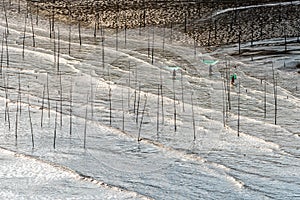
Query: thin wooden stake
[(58, 49), (193, 117), (157, 115), (162, 104), (71, 106), (32, 30), (19, 6), (265, 99), (103, 52), (7, 115), (85, 126), (55, 126), (37, 16), (182, 93), (50, 28), (48, 96), (239, 110), (70, 39), (42, 116), (275, 94), (61, 100), (17, 121), (30, 120), (138, 105), (129, 84), (110, 106), (79, 33), (141, 122), (92, 98), (125, 31), (123, 113), (54, 52), (19, 93), (6, 20), (7, 52), (174, 100), (117, 35), (224, 102), (1, 59), (152, 49), (24, 36)]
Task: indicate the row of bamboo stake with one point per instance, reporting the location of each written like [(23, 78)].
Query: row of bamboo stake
[(137, 94)]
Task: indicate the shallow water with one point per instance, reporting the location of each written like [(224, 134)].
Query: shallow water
[(262, 163)]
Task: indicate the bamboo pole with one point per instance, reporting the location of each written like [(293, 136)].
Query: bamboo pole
[(55, 126), (182, 93), (195, 47), (42, 116), (50, 28), (37, 16), (239, 40), (53, 19), (275, 94), (58, 49), (125, 31), (164, 38), (171, 37), (152, 49), (32, 30), (123, 112), (70, 39), (224, 102), (61, 99), (17, 122), (138, 105), (7, 52), (141, 122), (19, 93), (117, 34), (54, 51), (1, 59), (162, 104), (162, 96), (148, 47), (103, 52), (24, 36), (7, 115), (79, 32), (92, 97), (48, 96), (6, 19), (30, 120), (19, 6), (174, 100), (239, 110), (157, 114), (135, 96), (85, 125), (129, 84), (71, 107), (265, 99), (110, 106), (193, 117), (95, 27)]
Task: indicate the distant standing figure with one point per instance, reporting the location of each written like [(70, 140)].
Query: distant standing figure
[(174, 73), (210, 70), (233, 77)]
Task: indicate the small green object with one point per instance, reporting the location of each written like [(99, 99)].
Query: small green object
[(234, 76), (210, 62)]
